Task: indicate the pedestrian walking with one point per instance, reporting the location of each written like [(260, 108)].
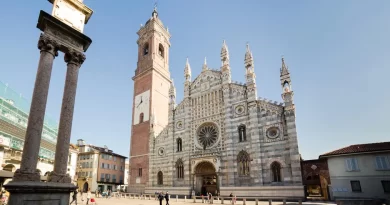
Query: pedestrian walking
[(167, 198), (160, 197), (74, 197), (88, 195), (81, 194)]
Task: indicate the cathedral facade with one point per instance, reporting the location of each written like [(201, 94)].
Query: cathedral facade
[(221, 138)]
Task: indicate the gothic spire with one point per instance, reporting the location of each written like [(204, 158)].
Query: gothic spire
[(249, 60), (284, 68), (187, 71), (224, 54), (153, 120), (204, 68), (172, 90)]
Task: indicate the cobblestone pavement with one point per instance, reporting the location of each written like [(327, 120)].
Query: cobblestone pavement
[(127, 201)]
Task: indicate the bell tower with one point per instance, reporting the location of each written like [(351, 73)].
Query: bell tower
[(151, 92)]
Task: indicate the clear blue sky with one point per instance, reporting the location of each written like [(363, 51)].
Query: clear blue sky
[(338, 53)]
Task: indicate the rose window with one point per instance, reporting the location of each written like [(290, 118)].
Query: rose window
[(273, 132), (207, 135)]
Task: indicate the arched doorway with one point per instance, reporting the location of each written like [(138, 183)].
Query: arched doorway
[(85, 187), (205, 178)]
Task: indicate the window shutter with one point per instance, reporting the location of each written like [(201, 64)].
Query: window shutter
[(355, 165), (348, 164)]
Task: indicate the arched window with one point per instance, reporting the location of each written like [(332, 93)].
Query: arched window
[(180, 169), (242, 133), (286, 87), (146, 49), (161, 50), (160, 178), (141, 117), (243, 161), (275, 169), (179, 145)]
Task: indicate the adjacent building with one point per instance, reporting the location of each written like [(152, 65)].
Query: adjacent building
[(360, 171), (99, 168), (315, 178), (221, 138), (14, 111)]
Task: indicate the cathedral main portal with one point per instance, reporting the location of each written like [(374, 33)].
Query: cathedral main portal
[(205, 178)]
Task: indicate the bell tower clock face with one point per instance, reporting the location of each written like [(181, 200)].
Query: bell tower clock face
[(141, 107)]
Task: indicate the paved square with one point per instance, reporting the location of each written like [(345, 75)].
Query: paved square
[(127, 201)]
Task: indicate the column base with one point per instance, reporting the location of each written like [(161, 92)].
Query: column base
[(39, 193), (59, 178), (20, 175)]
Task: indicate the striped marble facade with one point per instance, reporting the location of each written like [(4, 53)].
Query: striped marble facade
[(213, 98)]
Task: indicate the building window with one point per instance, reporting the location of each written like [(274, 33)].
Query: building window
[(355, 186), (102, 177), (243, 161), (179, 145), (382, 163), (146, 49), (102, 165), (161, 50), (160, 178), (140, 172), (114, 158), (180, 169), (141, 117), (352, 164), (114, 178), (275, 169), (242, 133), (386, 186)]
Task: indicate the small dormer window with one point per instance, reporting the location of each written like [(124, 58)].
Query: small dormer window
[(146, 49), (161, 50)]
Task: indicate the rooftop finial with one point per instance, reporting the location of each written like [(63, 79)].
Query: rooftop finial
[(247, 47), (205, 65), (155, 14)]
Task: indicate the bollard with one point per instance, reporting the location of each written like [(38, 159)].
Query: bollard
[(256, 201), (177, 198), (221, 200), (194, 199), (284, 201), (300, 202), (202, 199), (185, 198), (270, 201), (150, 197), (244, 201)]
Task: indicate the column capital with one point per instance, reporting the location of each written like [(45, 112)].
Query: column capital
[(74, 57), (48, 44)]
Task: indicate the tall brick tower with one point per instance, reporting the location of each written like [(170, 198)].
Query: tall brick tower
[(151, 93)]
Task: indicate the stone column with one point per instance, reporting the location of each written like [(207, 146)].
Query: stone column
[(28, 170), (74, 59)]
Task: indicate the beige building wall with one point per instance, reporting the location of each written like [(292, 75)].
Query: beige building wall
[(369, 176)]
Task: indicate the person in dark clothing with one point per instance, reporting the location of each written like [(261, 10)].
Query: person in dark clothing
[(160, 197), (167, 198), (74, 197)]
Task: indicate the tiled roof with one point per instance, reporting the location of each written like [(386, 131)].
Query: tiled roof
[(359, 148)]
